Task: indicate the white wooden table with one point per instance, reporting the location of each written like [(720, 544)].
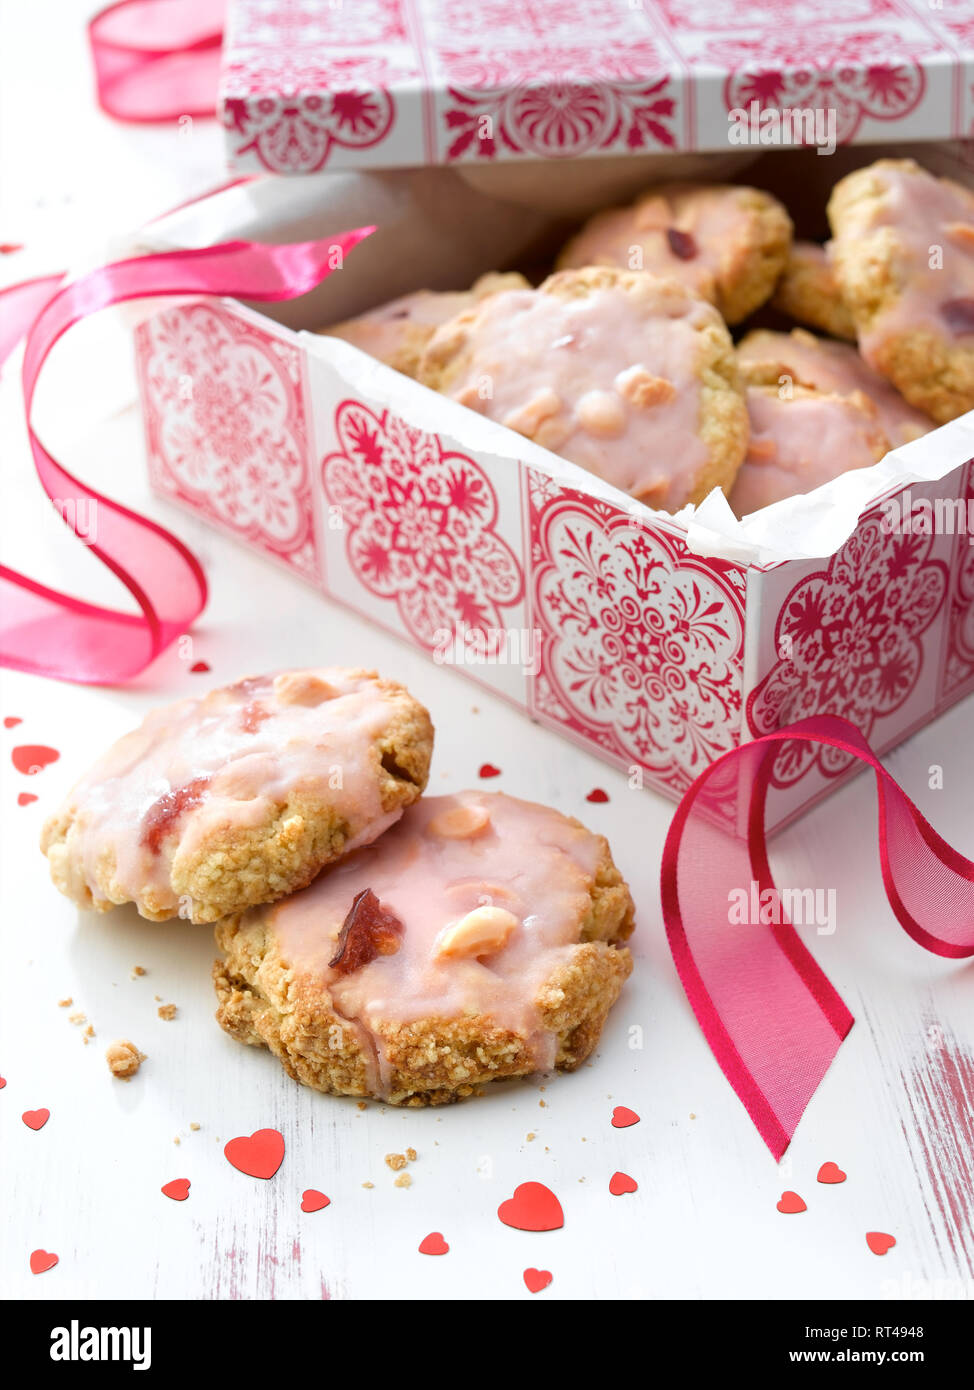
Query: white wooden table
[(896, 1111)]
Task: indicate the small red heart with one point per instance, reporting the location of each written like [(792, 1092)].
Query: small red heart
[(200, 666), (11, 721), (791, 1204), (36, 1119), (620, 1183), (879, 1242), (29, 758), (533, 1207), (178, 1189), (489, 770), (831, 1172), (597, 794), (259, 1155), (537, 1279), (434, 1244), (623, 1117), (25, 798), (313, 1200), (40, 1260), (3, 1082)]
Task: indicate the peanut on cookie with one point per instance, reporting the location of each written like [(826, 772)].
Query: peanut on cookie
[(396, 333), (480, 938), (630, 376), (728, 244), (903, 252), (215, 804)]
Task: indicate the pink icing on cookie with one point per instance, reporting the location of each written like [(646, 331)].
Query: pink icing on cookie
[(485, 917), (200, 768), (798, 444), (561, 371), (836, 367), (929, 216)]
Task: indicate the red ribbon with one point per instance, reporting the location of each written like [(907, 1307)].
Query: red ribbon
[(772, 1019), (54, 634), (157, 60)]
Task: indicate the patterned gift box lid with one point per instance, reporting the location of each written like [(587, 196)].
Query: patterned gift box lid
[(356, 84)]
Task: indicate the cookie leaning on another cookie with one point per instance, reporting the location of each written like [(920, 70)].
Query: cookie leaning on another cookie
[(480, 938), (903, 253), (396, 333), (215, 804), (630, 376), (809, 292), (727, 243)]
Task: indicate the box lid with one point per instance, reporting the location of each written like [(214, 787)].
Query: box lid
[(378, 84)]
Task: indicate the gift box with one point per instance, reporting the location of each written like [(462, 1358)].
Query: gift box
[(659, 642)]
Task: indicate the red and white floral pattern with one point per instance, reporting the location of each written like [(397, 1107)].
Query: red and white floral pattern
[(443, 80), (642, 642), (848, 641), (420, 526), (226, 426), (959, 666)]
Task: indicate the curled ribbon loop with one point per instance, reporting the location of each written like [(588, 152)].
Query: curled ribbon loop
[(771, 1017), (157, 60), (54, 634)]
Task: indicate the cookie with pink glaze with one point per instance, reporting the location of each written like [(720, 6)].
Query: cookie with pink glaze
[(212, 805), (481, 938), (727, 243), (801, 439), (809, 292), (630, 376), (396, 333), (774, 359), (903, 252)]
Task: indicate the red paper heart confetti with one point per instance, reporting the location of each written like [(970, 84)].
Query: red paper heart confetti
[(259, 1155), (831, 1172), (533, 1207), (178, 1189), (25, 798), (537, 1279), (29, 758), (621, 1183), (11, 721), (3, 1082), (489, 770), (36, 1119), (623, 1117), (434, 1244), (41, 1260), (879, 1242), (313, 1200), (597, 795), (200, 666), (791, 1204)]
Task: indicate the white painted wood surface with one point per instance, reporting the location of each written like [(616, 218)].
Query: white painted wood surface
[(895, 1111)]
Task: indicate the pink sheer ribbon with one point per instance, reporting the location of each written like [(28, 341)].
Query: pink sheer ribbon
[(157, 60), (772, 1019), (55, 634)]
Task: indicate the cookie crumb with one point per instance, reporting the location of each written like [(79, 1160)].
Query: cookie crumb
[(543, 1104), (77, 1018), (531, 1137), (692, 1115), (124, 1059), (193, 1125), (362, 1105), (65, 1003), (177, 1140), (403, 1180), (368, 1184), (166, 1011), (395, 1161), (411, 1155)]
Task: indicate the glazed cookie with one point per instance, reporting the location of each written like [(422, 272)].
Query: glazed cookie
[(801, 440), (628, 375), (770, 359), (215, 804), (729, 244), (903, 252), (479, 939), (809, 292), (396, 333)]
